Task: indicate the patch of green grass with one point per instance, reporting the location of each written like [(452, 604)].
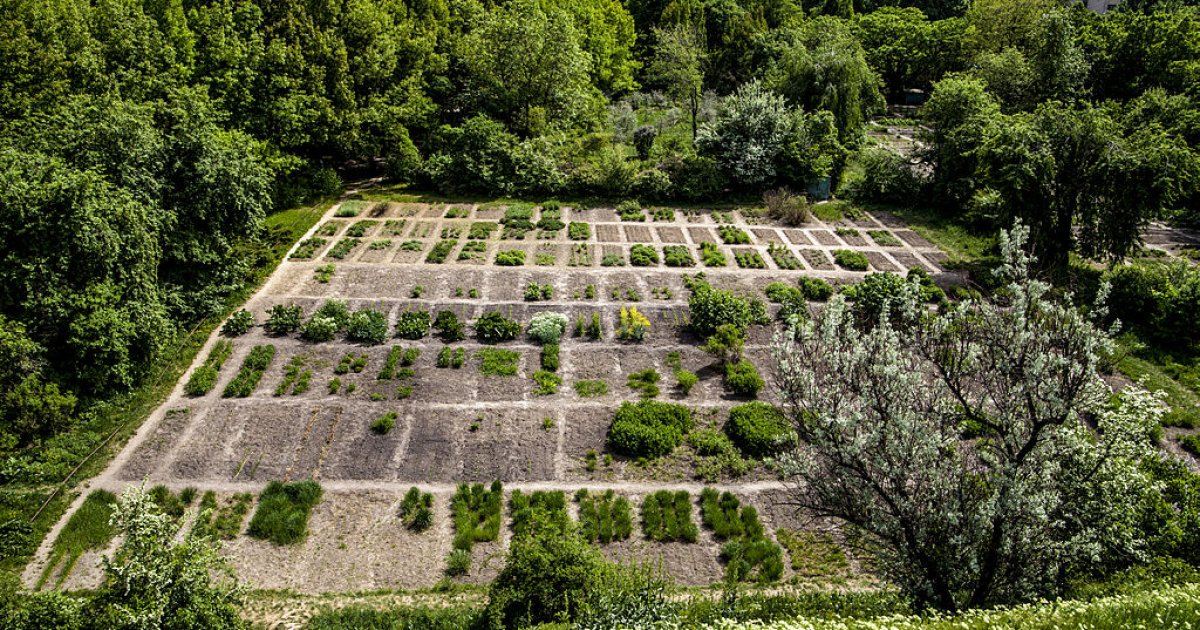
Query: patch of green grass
[(667, 516), (477, 515), (1184, 402), (222, 520), (547, 382), (283, 511), (604, 518), (591, 388), (813, 554), (498, 362), (959, 242), (88, 528), (850, 259)]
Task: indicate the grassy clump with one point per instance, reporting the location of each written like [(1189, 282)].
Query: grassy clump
[(578, 231), (385, 423), (205, 377), (283, 511), (645, 382), (451, 357), (643, 255), (550, 360), (510, 258), (296, 377), (604, 518), (497, 362), (813, 554), (251, 372), (88, 528), (677, 256), (416, 510), (308, 248), (748, 555), (547, 382), (476, 519), (711, 255), (759, 429), (440, 252), (343, 248), (222, 520), (591, 388), (667, 517), (552, 504)]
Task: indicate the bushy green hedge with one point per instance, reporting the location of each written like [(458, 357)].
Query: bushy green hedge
[(742, 378), (850, 259), (283, 511), (604, 517), (648, 428), (759, 429)]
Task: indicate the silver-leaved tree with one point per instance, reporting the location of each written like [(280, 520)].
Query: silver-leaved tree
[(975, 451)]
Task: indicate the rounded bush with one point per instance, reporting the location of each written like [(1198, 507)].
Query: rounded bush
[(742, 378), (648, 428), (493, 327), (547, 327), (368, 326), (759, 429), (319, 328), (238, 324)]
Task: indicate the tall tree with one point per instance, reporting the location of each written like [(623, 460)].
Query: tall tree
[(679, 64)]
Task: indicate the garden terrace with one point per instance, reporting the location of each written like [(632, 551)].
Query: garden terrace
[(457, 425)]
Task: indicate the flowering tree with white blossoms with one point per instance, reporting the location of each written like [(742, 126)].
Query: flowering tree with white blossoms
[(958, 444)]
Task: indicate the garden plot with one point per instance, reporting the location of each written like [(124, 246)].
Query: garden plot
[(448, 421)]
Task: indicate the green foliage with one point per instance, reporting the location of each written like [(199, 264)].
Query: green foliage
[(591, 388), (416, 510), (733, 235), (238, 324), (648, 428), (476, 515), (742, 378), (494, 327), (547, 328), (645, 382), (718, 455), (711, 255), (579, 231), (850, 259), (451, 357), (283, 510), (205, 376), (440, 251), (449, 327), (632, 325), (342, 248), (814, 289), (412, 324), (282, 320), (550, 508), (88, 528), (726, 344), (677, 256), (319, 328), (759, 430), (879, 293), (498, 362), (749, 555), (368, 326), (547, 382), (384, 423), (667, 517), (510, 258), (643, 255), (605, 517), (686, 380), (248, 376), (710, 308), (549, 357), (1160, 300), (222, 520), (296, 377)]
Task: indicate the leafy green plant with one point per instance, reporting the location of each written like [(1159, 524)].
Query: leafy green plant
[(283, 512), (296, 377), (222, 520), (238, 324), (677, 256), (90, 527), (204, 377), (612, 260), (884, 238), (319, 328), (551, 504), (482, 230), (783, 257), (742, 378), (850, 259), (749, 259), (550, 357), (368, 326), (342, 248), (324, 273), (451, 357), (731, 235), (645, 382), (412, 324), (759, 430), (440, 251), (641, 255), (686, 380), (547, 382), (648, 428), (449, 327), (251, 372), (497, 362), (359, 228), (282, 320), (631, 210), (476, 515), (416, 510), (547, 328), (510, 258), (535, 292), (494, 327), (591, 388), (308, 248), (814, 289), (711, 255), (605, 517), (578, 231), (710, 308)]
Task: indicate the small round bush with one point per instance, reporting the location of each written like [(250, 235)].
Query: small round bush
[(687, 380), (850, 259), (815, 289), (319, 328), (759, 429), (742, 378), (459, 562), (412, 324), (337, 311), (449, 327), (547, 327), (648, 428), (368, 326), (238, 324), (875, 292)]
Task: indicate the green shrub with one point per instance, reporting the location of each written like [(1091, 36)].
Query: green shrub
[(550, 357), (536, 292), (204, 377), (335, 310), (648, 428), (667, 517), (497, 362), (308, 248), (282, 320), (814, 289), (709, 308), (711, 255), (686, 380), (319, 328), (552, 504), (238, 324), (283, 511), (476, 515), (742, 378), (251, 372), (677, 256), (578, 231), (385, 423), (1159, 299), (759, 430), (641, 255), (493, 327), (510, 258), (547, 328), (547, 382), (449, 328), (850, 259), (342, 248), (451, 357), (412, 324), (295, 376), (416, 510), (749, 259), (876, 292), (368, 326), (732, 235), (631, 210), (752, 560), (222, 521), (1191, 444)]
